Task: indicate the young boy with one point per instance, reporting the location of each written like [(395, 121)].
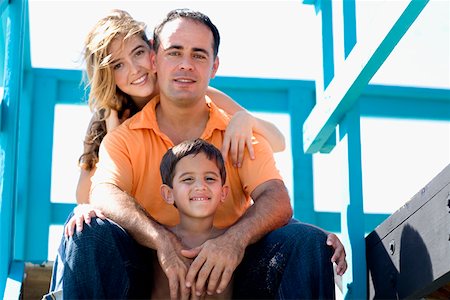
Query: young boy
[(193, 175)]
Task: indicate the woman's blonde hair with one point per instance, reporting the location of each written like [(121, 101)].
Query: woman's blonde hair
[(100, 79), (104, 95)]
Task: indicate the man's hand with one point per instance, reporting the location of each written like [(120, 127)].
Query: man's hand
[(214, 264), (82, 213), (175, 267), (338, 254)]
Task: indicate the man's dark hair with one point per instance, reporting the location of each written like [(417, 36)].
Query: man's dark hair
[(189, 14), (175, 154)]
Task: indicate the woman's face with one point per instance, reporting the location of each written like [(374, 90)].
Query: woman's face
[(132, 68)]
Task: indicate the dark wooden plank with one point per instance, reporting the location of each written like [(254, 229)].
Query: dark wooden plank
[(408, 255), (416, 202), (442, 293)]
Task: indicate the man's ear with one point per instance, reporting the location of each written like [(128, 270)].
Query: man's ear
[(167, 193), (225, 190), (153, 60), (215, 67)]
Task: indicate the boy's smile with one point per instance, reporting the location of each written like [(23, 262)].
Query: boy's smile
[(197, 186)]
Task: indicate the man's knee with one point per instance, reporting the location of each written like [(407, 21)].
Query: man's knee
[(97, 230), (95, 241), (300, 232), (302, 238)]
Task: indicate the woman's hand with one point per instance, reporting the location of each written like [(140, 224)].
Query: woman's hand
[(238, 136), (113, 120), (82, 213)]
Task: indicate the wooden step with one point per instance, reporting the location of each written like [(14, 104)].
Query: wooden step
[(36, 280)]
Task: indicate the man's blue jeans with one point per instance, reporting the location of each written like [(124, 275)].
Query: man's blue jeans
[(104, 262)]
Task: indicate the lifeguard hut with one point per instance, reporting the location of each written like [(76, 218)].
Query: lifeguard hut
[(403, 254)]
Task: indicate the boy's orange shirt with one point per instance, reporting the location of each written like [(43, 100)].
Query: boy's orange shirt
[(130, 156)]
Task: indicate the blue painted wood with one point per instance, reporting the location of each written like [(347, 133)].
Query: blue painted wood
[(14, 281), (12, 28), (22, 168), (69, 85), (344, 90), (3, 6), (258, 94), (39, 208), (327, 43), (59, 212), (352, 215), (405, 108), (350, 37), (331, 221), (301, 101)]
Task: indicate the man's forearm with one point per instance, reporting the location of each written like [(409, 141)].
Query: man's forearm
[(125, 211), (271, 210)]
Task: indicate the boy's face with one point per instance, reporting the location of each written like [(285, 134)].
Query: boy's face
[(197, 187)]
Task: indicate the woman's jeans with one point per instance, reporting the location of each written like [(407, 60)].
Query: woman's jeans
[(104, 262)]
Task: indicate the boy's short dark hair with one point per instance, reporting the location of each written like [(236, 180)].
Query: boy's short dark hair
[(188, 14), (176, 153)]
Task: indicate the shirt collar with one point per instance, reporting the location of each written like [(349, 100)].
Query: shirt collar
[(146, 118)]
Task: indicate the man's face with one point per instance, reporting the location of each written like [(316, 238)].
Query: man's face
[(185, 62)]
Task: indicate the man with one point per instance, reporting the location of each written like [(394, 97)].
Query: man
[(112, 258)]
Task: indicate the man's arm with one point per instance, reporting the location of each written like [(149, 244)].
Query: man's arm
[(125, 211), (218, 258)]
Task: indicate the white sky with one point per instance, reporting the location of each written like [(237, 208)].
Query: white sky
[(268, 39), (275, 39)]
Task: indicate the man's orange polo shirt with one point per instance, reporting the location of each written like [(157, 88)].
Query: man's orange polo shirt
[(130, 156)]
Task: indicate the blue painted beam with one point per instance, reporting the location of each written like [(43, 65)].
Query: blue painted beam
[(350, 38), (59, 212), (14, 281), (301, 101), (38, 202), (22, 168), (327, 44), (3, 6), (352, 216), (258, 94), (12, 31), (331, 221), (395, 107), (346, 87)]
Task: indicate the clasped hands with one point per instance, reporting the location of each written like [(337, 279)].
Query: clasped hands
[(207, 269), (191, 272)]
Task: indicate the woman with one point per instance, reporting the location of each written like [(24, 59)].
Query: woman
[(122, 81)]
